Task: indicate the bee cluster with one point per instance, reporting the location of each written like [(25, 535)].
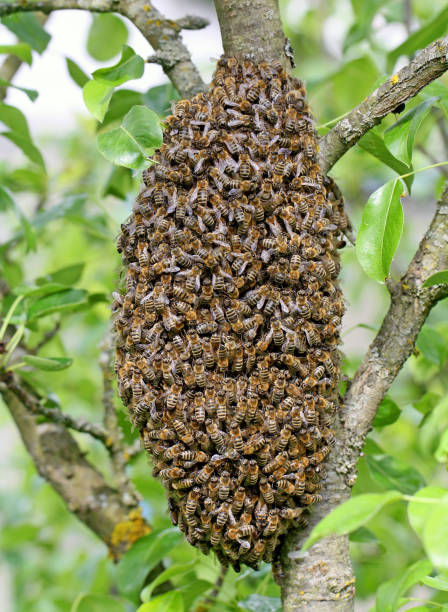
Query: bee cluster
[(227, 332)]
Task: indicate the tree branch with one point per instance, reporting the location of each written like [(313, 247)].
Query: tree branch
[(409, 308), (427, 66), (252, 28), (163, 34), (109, 513), (322, 579)]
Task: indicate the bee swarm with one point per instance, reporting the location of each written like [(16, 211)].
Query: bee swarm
[(228, 329)]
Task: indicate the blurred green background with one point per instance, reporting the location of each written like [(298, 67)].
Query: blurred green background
[(343, 51)]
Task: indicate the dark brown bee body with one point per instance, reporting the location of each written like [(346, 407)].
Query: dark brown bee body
[(228, 329)]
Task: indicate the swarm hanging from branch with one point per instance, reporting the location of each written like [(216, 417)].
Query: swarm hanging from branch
[(228, 329)]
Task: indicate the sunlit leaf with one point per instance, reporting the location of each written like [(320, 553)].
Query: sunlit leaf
[(436, 582), (435, 535), (21, 50), (135, 139), (418, 512), (351, 515), (51, 364), (107, 35), (380, 230), (435, 423), (97, 603), (261, 603), (69, 275), (441, 453), (168, 602), (159, 98), (98, 91), (119, 182), (121, 103)]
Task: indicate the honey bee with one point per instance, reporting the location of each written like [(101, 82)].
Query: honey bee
[(224, 485), (238, 500), (266, 491)]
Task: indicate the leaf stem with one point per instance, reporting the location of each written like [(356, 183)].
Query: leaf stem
[(444, 163), (9, 315), (421, 500)]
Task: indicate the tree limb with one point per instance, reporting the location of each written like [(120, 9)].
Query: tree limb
[(252, 28), (111, 515), (322, 579), (427, 66), (163, 34)]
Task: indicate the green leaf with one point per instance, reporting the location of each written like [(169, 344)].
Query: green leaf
[(261, 603), (435, 535), (402, 133), (439, 90), (32, 291), (427, 402), (159, 98), (69, 275), (168, 602), (375, 145), (419, 512), (121, 103), (437, 279), (389, 593), (7, 202), (177, 569), (130, 66), (50, 364), (431, 429), (351, 515), (441, 453), (21, 50), (420, 38), (119, 182), (77, 74), (31, 93), (136, 138), (97, 603), (363, 535), (380, 231), (139, 560), (14, 119), (56, 302), (391, 473), (27, 147), (107, 35), (436, 582), (26, 26), (432, 345), (97, 93), (388, 413)]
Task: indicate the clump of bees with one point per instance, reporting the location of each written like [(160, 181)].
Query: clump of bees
[(228, 328)]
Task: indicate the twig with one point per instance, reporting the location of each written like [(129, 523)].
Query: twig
[(427, 66), (33, 404), (109, 513), (48, 336), (212, 596), (163, 34)]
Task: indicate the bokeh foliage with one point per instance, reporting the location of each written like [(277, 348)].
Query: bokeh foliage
[(61, 207)]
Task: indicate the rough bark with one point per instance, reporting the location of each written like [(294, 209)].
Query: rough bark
[(111, 515), (428, 65), (251, 28)]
